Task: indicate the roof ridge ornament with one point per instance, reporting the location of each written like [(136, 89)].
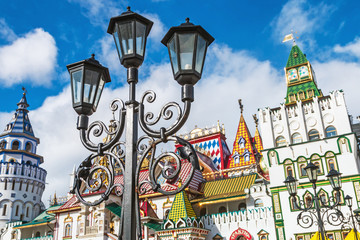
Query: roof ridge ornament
[(241, 106), (290, 36)]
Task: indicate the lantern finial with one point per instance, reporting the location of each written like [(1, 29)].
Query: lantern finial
[(128, 8)]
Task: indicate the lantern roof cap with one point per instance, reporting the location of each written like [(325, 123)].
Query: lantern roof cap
[(128, 15), (332, 173), (187, 27)]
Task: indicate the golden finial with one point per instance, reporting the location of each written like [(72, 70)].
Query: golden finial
[(256, 120), (180, 182), (241, 106)]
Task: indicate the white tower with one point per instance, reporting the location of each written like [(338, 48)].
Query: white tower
[(22, 180)]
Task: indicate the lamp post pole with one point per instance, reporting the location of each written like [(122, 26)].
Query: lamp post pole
[(307, 217), (99, 172)]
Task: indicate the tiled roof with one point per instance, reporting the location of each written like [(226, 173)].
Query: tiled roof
[(71, 203), (147, 211), (258, 142), (296, 57), (237, 158), (181, 208), (169, 186), (20, 122), (41, 219), (302, 87), (229, 186), (114, 208)]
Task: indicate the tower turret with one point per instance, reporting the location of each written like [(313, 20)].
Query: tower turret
[(22, 181), (300, 77)]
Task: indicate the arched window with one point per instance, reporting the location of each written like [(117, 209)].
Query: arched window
[(323, 198), (330, 131), (313, 135), (28, 147), (302, 170), (14, 235), (166, 213), (15, 145), (222, 209), (308, 201), (280, 141), (310, 93), (17, 210), (4, 210), (296, 138), (37, 234), (27, 212), (301, 95), (292, 97), (289, 171), (319, 167), (2, 144), (67, 230), (258, 203), (242, 206), (331, 164)]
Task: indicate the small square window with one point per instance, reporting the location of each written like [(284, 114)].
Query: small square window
[(13, 195)]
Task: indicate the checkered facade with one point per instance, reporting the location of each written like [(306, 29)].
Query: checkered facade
[(181, 208), (242, 154)]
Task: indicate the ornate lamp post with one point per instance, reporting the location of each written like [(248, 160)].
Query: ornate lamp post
[(350, 222), (324, 211), (187, 45)]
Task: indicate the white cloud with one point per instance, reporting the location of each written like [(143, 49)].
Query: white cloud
[(6, 32), (99, 12), (302, 17), (352, 48), (31, 58), (228, 76)]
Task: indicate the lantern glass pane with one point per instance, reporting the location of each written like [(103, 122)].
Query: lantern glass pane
[(99, 91), (90, 82), (186, 45), (140, 38), (335, 181), (200, 54), (117, 43), (173, 54), (76, 85), (126, 37)]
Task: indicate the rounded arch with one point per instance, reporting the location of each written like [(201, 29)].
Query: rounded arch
[(330, 131), (296, 138), (258, 202), (280, 141), (15, 145), (28, 147), (313, 134), (3, 144), (222, 209)]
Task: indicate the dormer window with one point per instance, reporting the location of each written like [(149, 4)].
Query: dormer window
[(246, 155), (241, 142), (236, 157)]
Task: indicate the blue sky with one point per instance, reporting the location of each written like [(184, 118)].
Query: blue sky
[(39, 38)]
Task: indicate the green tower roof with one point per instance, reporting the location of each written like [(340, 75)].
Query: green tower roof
[(296, 57), (181, 208)]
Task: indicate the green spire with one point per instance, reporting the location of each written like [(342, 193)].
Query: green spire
[(181, 208), (296, 57), (300, 78)]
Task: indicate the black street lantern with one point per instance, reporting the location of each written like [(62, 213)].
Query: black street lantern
[(130, 31), (88, 78), (357, 214), (334, 179), (348, 201), (187, 45), (291, 185), (311, 171)]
